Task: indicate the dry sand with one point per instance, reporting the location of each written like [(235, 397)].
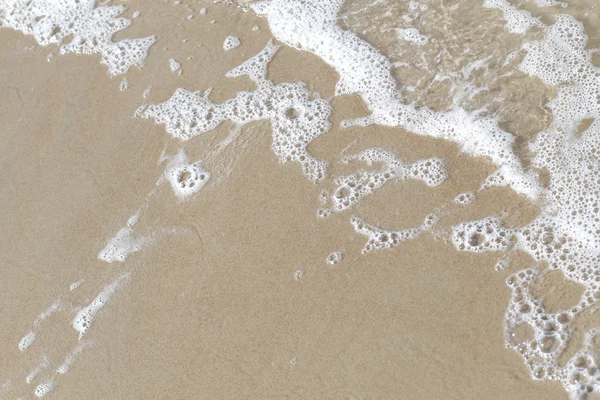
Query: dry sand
[(212, 309)]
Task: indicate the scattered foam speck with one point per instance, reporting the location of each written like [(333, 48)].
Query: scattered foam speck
[(335, 258), (27, 340), (298, 274), (71, 357), (175, 66), (185, 178), (230, 43)]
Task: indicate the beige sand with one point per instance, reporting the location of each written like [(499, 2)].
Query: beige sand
[(212, 309)]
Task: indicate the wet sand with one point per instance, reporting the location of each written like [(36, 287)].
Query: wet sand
[(212, 309)]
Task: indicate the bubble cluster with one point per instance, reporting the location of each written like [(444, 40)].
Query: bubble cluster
[(90, 28), (352, 188), (124, 243), (44, 388), (27, 341), (230, 43), (384, 239), (464, 198), (85, 317), (483, 235), (412, 35), (297, 116), (541, 337), (175, 66), (550, 3), (186, 179), (335, 258)]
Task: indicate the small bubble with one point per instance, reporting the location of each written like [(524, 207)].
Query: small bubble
[(298, 274)]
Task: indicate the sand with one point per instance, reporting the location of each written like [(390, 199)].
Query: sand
[(212, 309)]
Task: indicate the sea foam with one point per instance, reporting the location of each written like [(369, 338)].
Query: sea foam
[(89, 28)]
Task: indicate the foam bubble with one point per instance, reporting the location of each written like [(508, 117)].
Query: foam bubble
[(27, 340), (230, 43), (335, 258), (44, 388), (175, 66), (411, 35), (124, 84), (464, 198)]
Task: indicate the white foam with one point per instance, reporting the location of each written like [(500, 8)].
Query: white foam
[(72, 357), (464, 198), (124, 84), (91, 29), (312, 25), (550, 3), (230, 43), (27, 340), (517, 21), (147, 92), (175, 66), (384, 239), (54, 307), (34, 372), (565, 236), (352, 188), (185, 178), (44, 388), (412, 35), (86, 316), (297, 116), (335, 258), (75, 285), (124, 243)]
